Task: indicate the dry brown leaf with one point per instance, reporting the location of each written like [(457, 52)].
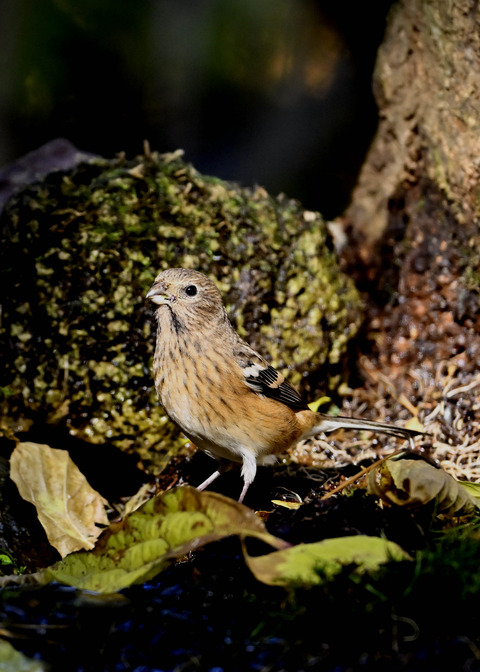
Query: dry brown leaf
[(415, 483), (138, 499), (69, 509)]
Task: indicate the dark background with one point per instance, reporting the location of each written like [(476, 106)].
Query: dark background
[(273, 92)]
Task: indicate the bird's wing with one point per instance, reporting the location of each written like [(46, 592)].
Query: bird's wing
[(265, 379)]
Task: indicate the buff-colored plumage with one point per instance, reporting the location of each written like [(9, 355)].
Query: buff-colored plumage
[(224, 396)]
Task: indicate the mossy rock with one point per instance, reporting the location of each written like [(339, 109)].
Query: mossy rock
[(78, 252)]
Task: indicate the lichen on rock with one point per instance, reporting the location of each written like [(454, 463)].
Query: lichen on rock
[(80, 249)]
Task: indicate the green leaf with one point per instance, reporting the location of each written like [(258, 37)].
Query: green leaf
[(12, 660), (473, 490), (147, 540), (309, 564), (7, 560), (414, 483)]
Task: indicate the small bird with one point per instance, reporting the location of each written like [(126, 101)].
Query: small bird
[(226, 398)]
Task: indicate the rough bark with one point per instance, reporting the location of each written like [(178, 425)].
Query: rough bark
[(427, 86), (415, 219), (416, 205)]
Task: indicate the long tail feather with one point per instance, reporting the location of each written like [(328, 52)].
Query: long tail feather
[(329, 423)]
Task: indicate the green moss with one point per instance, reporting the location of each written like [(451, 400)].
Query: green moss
[(79, 251)]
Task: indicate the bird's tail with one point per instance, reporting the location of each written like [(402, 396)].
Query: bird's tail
[(327, 423)]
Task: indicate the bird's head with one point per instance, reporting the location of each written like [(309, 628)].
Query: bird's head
[(189, 295)]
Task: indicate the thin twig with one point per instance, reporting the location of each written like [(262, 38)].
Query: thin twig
[(363, 472)]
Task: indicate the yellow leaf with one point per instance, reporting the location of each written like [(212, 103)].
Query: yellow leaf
[(473, 490), (414, 483), (146, 541), (139, 498), (415, 424), (287, 505), (12, 660), (69, 510), (315, 405), (308, 564)]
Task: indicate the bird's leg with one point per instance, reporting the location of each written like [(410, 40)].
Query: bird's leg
[(209, 480), (246, 485), (221, 470), (223, 466), (249, 469)]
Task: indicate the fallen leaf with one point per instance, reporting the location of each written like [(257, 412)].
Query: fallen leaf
[(69, 509), (315, 405), (168, 526), (473, 490), (139, 498), (415, 424), (309, 564), (287, 505), (414, 483), (12, 660)]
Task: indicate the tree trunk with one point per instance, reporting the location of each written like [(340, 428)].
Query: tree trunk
[(415, 210)]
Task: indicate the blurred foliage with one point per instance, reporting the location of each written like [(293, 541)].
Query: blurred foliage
[(274, 92)]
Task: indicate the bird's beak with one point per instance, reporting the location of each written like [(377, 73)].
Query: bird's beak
[(159, 295)]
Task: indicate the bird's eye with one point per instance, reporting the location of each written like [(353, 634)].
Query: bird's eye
[(191, 290)]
